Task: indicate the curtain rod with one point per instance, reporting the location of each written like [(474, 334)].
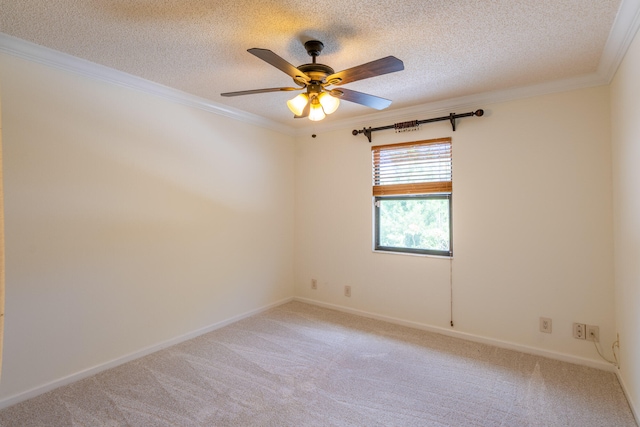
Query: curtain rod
[(414, 123)]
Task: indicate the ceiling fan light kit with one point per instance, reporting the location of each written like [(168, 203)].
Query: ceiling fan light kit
[(319, 100), (316, 112), (329, 102), (297, 104)]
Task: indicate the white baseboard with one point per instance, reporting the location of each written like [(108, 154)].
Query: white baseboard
[(634, 410), (36, 391), (469, 337)]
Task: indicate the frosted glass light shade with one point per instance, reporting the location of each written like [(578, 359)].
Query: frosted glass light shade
[(297, 104), (328, 102), (316, 113)]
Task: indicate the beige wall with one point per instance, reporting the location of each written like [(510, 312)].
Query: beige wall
[(625, 125), (532, 215), (1, 241), (130, 221)]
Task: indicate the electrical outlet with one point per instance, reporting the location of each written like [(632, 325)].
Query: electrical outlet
[(314, 284), (579, 331), (347, 291), (545, 325), (593, 333)]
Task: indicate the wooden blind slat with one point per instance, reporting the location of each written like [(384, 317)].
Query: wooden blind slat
[(405, 144), (410, 156), (417, 167), (444, 175), (415, 161), (417, 188)]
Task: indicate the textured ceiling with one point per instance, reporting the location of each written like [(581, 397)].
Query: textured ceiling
[(450, 48)]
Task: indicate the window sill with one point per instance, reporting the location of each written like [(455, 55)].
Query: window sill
[(378, 251)]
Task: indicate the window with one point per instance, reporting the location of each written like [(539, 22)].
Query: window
[(412, 197)]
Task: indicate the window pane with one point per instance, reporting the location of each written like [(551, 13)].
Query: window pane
[(414, 223)]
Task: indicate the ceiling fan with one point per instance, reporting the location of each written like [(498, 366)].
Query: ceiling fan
[(319, 99)]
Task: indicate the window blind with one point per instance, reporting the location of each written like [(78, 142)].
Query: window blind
[(418, 167)]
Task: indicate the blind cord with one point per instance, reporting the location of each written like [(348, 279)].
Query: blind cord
[(451, 286)]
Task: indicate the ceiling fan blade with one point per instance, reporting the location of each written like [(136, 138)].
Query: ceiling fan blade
[(251, 92), (275, 60), (390, 64), (363, 98)]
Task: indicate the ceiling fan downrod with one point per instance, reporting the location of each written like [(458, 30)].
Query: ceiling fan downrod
[(314, 47)]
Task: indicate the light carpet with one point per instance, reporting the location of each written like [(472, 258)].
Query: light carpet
[(302, 365)]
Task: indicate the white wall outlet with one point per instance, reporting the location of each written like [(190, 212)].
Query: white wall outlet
[(347, 291), (545, 325), (579, 331), (593, 333), (314, 284)]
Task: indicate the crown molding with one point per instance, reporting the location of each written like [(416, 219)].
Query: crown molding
[(42, 55), (624, 29)]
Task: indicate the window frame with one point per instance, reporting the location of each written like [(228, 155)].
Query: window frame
[(411, 189), (433, 196)]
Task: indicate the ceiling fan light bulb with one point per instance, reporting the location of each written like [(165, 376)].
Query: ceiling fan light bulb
[(315, 112), (328, 102), (297, 104)]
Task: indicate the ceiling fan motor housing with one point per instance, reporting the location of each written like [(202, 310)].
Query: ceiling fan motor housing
[(317, 72)]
